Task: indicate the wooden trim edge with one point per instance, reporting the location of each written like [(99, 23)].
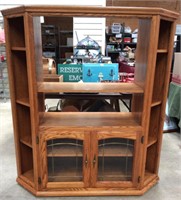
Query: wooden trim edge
[(26, 186), (89, 191), (72, 10)]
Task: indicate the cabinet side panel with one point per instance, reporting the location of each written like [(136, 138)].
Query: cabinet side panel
[(34, 62)]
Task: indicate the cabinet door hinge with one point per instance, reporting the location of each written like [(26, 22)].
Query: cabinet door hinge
[(39, 180), (142, 139), (37, 140), (139, 179)]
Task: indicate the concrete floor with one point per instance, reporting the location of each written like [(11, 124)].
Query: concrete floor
[(168, 188)]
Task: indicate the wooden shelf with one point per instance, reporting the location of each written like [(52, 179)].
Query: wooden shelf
[(65, 151), (157, 103), (115, 175), (115, 151), (162, 51), (18, 48), (151, 141), (48, 87), (76, 151), (24, 102), (28, 177), (27, 141), (90, 119), (72, 175), (66, 175), (149, 177)]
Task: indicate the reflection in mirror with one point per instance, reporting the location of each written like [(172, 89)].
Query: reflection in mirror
[(90, 50)]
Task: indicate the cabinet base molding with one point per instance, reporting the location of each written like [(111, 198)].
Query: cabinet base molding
[(26, 186), (90, 191)]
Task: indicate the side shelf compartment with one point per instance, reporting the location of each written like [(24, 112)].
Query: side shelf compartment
[(154, 125), (24, 124), (26, 157), (164, 34), (159, 80), (16, 32), (19, 68), (20, 95)]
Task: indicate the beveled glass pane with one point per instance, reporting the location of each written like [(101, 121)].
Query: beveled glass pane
[(65, 158), (115, 160)]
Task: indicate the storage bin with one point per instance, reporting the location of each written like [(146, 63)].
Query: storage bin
[(116, 28)]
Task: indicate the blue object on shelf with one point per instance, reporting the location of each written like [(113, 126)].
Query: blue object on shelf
[(97, 72)]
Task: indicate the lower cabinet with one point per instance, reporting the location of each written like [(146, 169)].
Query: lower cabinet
[(88, 159)]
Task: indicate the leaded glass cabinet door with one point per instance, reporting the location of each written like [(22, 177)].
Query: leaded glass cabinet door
[(66, 160), (114, 160)]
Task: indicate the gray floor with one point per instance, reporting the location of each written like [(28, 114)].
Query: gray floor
[(168, 188)]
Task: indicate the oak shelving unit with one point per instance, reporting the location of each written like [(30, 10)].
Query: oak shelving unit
[(88, 153)]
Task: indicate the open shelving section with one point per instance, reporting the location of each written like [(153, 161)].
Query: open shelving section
[(87, 153), (18, 70), (160, 88)]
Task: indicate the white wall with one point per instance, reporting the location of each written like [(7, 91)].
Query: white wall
[(92, 27)]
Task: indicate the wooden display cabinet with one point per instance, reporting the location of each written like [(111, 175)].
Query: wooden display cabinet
[(87, 154)]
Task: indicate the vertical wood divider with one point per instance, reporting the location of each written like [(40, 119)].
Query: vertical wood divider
[(31, 43)]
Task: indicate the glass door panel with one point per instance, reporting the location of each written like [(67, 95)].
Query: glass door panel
[(65, 160), (115, 159)]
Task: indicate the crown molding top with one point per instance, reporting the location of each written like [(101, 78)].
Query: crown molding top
[(94, 11)]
